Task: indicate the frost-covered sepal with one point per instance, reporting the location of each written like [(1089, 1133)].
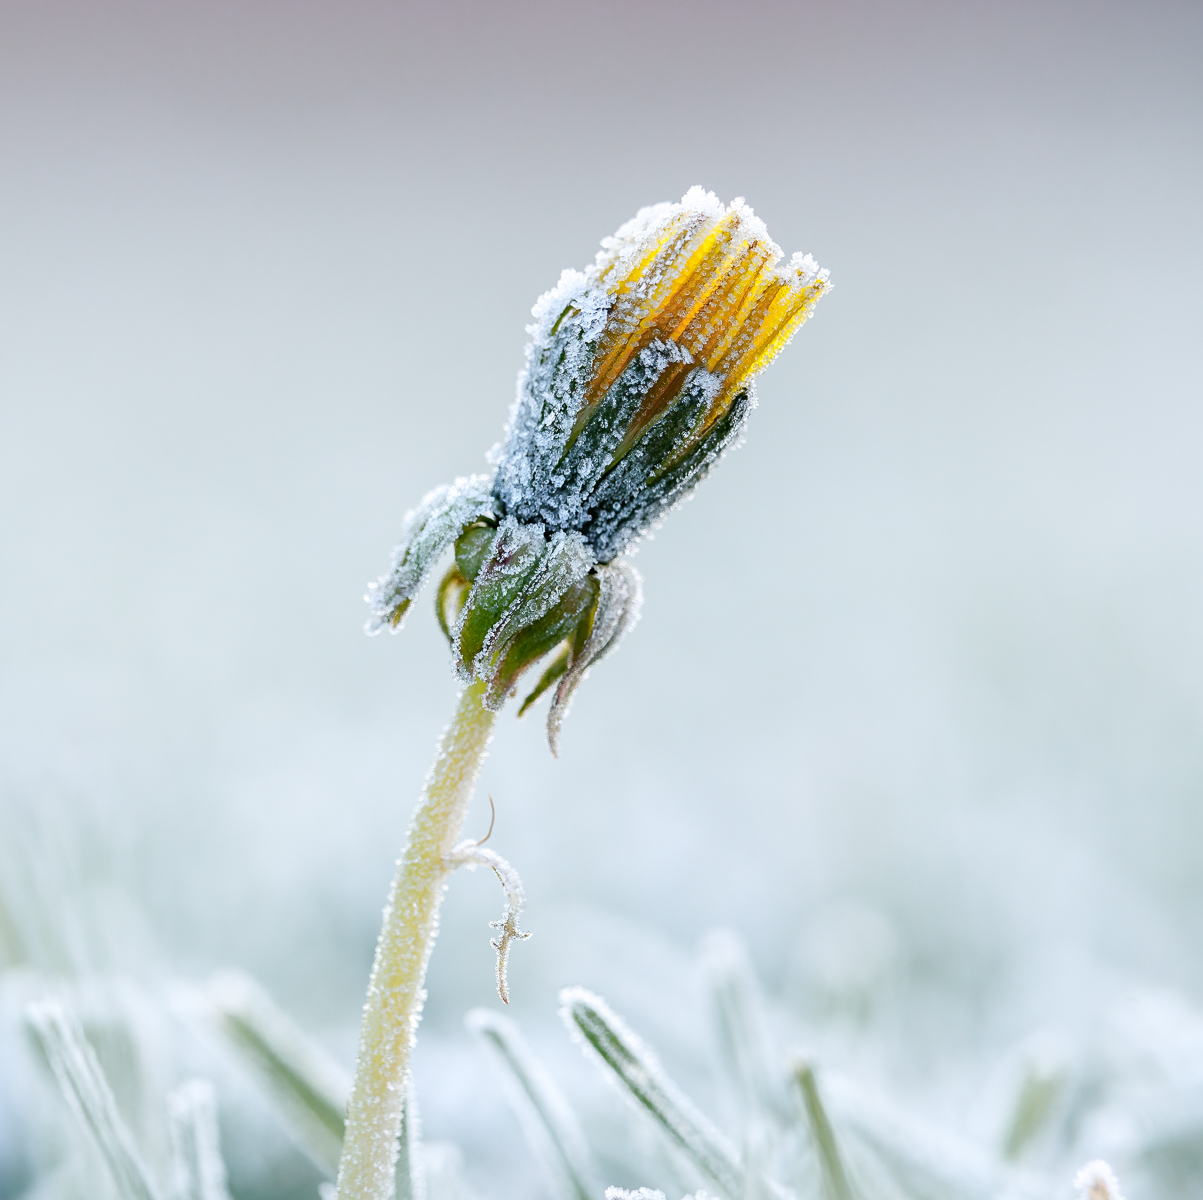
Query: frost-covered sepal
[(619, 601), (428, 530), (528, 593)]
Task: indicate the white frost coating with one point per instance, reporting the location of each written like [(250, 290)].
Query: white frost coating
[(617, 1193), (88, 1094), (807, 271), (472, 855), (633, 274), (198, 1171), (1097, 1181), (619, 603), (427, 531)]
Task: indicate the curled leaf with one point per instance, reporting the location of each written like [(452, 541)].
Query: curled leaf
[(472, 854)]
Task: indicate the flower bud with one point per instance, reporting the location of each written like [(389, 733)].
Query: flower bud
[(639, 373), (638, 378)]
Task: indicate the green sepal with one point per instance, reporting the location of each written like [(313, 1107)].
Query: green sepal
[(472, 547), (513, 560), (558, 666), (532, 642), (619, 597)]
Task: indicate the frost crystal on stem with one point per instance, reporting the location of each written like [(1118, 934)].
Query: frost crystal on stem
[(472, 854)]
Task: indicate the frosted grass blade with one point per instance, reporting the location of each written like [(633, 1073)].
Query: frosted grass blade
[(410, 1172), (198, 1171), (590, 1019), (836, 1185), (549, 1123), (740, 1023), (308, 1087), (87, 1091)]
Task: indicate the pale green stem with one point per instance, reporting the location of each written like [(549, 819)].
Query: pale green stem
[(395, 994)]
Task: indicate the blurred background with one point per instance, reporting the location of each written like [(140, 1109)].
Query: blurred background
[(916, 702)]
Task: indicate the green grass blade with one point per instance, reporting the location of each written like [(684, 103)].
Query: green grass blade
[(87, 1091), (549, 1123), (307, 1086), (835, 1182), (590, 1019)]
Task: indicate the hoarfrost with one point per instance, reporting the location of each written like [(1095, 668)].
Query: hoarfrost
[(605, 1036)]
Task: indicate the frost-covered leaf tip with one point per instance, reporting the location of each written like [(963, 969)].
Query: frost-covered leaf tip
[(638, 378)]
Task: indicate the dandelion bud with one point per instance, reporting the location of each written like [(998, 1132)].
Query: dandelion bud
[(639, 374), (638, 378)]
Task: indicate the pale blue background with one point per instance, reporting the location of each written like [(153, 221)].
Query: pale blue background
[(928, 648)]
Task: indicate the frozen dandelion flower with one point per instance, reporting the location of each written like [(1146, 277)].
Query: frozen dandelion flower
[(638, 378), (1096, 1181)]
